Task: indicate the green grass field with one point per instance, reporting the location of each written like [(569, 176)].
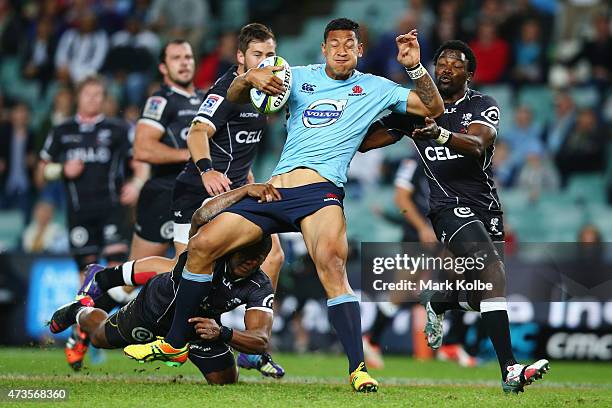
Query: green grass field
[(312, 380)]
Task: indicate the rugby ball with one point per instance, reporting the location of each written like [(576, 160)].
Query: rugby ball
[(267, 103)]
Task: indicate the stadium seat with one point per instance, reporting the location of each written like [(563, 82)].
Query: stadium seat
[(12, 228), (540, 100)]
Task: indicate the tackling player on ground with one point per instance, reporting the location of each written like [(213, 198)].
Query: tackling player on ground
[(237, 280), (457, 149), (222, 142), (329, 111)]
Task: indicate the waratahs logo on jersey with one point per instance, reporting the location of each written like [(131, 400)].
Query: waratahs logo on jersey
[(323, 112)]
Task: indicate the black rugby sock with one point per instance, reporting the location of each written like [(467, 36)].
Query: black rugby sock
[(441, 301), (110, 277), (378, 327), (498, 327), (106, 302), (345, 318)]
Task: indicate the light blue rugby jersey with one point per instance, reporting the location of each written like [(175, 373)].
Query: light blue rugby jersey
[(329, 118)]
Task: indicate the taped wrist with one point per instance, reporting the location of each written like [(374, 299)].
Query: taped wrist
[(445, 136), (416, 72)]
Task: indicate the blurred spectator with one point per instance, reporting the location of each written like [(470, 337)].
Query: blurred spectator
[(17, 152), (213, 65), (523, 137), (38, 57), (522, 11), (180, 19), (131, 57), (10, 30), (447, 25), (502, 165), (561, 123), (492, 54), (576, 15), (383, 57), (538, 175), (81, 51), (598, 53), (589, 234), (42, 234), (62, 110), (583, 151), (529, 55)]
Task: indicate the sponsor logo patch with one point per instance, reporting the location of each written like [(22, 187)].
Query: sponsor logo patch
[(211, 104), (491, 115), (154, 108), (463, 212)]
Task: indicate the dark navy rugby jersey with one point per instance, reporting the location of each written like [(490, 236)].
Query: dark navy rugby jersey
[(238, 130), (171, 110), (103, 146), (455, 179), (254, 291)]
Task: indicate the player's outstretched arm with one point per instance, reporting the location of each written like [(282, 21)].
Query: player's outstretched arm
[(260, 78), (253, 340), (473, 143), (212, 207), (424, 100)]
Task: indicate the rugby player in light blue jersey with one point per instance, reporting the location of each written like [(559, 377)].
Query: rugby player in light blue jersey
[(331, 107)]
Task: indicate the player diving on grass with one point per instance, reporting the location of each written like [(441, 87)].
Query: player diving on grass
[(237, 280), (457, 149), (330, 108), (222, 142)]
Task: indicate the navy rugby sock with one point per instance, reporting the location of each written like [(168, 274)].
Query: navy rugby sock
[(193, 288), (345, 317)]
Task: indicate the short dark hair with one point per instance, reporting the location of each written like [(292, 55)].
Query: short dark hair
[(460, 46), (162, 53), (253, 32), (342, 24), (261, 247)]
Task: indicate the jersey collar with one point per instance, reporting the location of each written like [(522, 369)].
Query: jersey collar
[(465, 95), (181, 92), (95, 121)]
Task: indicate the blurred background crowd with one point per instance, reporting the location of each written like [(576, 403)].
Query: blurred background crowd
[(547, 62)]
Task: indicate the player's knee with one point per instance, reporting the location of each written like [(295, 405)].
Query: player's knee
[(276, 257), (205, 247), (225, 377)]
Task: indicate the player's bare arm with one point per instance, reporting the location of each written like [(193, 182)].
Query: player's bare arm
[(260, 78), (424, 100), (149, 148), (473, 143), (253, 340), (262, 191), (197, 141), (376, 138)]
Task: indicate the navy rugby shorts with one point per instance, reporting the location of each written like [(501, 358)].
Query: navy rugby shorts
[(286, 214)]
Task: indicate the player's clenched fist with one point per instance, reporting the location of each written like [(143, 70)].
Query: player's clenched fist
[(408, 49), (264, 192)]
